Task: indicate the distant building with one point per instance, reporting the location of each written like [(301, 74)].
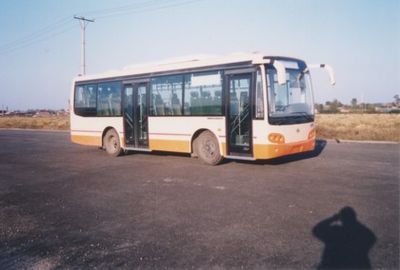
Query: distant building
[(42, 114), (62, 113), (344, 110)]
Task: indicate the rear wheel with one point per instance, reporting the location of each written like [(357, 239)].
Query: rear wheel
[(208, 148), (112, 144)]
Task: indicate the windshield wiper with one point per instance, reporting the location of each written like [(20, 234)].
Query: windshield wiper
[(278, 120), (304, 115), (292, 118)]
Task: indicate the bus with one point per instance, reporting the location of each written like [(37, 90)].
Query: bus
[(241, 106)]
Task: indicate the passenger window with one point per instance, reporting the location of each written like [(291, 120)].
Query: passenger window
[(203, 93), (166, 96), (85, 100), (109, 99)]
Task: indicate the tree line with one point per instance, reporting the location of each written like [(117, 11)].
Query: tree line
[(335, 106)]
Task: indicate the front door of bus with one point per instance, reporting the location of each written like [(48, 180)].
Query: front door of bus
[(239, 127), (135, 114)]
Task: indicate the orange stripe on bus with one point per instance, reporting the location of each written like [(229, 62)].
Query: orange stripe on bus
[(86, 140), (266, 151), (224, 149), (170, 145)]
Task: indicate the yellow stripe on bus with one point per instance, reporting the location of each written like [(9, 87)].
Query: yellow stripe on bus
[(169, 145), (223, 149)]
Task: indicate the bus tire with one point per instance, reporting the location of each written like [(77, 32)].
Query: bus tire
[(208, 148), (112, 143)]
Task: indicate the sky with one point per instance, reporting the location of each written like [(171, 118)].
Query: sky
[(40, 41)]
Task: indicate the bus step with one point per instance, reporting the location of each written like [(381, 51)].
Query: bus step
[(137, 149), (240, 158)]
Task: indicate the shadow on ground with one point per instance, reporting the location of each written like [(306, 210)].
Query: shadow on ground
[(319, 147), (347, 241)]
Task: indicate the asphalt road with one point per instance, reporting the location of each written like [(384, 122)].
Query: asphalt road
[(69, 206)]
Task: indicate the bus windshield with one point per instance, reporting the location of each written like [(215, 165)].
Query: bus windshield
[(291, 103)]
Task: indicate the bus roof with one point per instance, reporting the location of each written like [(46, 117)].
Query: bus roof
[(181, 63)]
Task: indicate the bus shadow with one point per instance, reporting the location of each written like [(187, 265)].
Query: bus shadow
[(156, 153), (319, 148)]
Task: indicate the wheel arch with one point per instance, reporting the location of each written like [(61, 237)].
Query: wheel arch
[(197, 134)]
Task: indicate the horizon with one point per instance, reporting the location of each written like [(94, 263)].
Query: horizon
[(359, 39)]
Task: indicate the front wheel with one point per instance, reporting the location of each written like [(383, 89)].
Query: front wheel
[(208, 148), (112, 144)]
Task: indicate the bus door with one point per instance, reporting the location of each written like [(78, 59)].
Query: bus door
[(135, 107), (238, 114)]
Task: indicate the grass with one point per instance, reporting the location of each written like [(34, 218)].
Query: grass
[(376, 127), (52, 123)]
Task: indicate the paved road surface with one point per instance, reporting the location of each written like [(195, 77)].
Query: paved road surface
[(69, 206)]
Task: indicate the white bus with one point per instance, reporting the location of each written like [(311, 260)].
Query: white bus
[(247, 106)]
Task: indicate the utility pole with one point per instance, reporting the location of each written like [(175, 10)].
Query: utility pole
[(83, 22)]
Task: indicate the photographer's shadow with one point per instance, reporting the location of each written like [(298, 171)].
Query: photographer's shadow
[(347, 241)]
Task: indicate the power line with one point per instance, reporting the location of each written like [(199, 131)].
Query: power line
[(94, 13), (36, 34), (57, 28), (146, 9), (35, 40)]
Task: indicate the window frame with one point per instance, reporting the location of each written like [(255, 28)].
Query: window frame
[(184, 74), (93, 111), (120, 102), (285, 121), (222, 107), (223, 69), (255, 117), (85, 111), (150, 107)]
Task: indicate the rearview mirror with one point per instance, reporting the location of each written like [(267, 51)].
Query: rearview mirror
[(328, 69)]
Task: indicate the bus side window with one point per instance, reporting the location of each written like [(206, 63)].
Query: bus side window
[(203, 93), (194, 103), (176, 104), (160, 108), (109, 99), (166, 95), (116, 104), (79, 97), (216, 107), (85, 100)]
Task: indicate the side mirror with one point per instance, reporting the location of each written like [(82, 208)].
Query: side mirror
[(328, 69), (281, 72)]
